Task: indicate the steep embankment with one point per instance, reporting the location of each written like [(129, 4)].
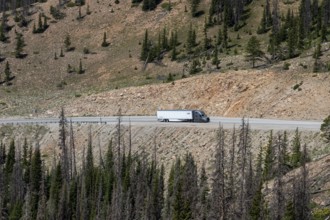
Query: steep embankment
[(233, 94)]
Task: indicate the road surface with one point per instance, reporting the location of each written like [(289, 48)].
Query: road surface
[(255, 123)]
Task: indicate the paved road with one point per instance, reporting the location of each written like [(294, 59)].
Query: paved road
[(261, 124)]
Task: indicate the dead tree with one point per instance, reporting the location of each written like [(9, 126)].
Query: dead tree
[(244, 151), (218, 196), (64, 155)]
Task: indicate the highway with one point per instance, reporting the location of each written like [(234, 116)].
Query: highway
[(255, 123)]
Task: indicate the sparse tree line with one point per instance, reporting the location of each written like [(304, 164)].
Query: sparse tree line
[(290, 34), (123, 185), (22, 11)]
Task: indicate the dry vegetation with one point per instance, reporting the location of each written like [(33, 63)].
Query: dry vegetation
[(42, 84), (114, 78)]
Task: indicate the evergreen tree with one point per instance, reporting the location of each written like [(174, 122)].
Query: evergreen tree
[(164, 40), (215, 60), (305, 19), (206, 44), (56, 183), (253, 49), (34, 30), (145, 47), (35, 180), (61, 53), (89, 169), (263, 23), (10, 158), (219, 38), (296, 150), (81, 70), (191, 39), (7, 73), (325, 129), (105, 43), (3, 37), (324, 33), (19, 45), (257, 203), (194, 7), (218, 194), (225, 36), (174, 54), (40, 26), (67, 43), (269, 157), (292, 39)]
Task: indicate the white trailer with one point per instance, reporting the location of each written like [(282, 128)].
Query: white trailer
[(182, 115)]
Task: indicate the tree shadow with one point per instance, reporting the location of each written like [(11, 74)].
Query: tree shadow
[(199, 13)]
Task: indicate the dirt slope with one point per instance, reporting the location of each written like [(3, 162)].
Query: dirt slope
[(233, 94)]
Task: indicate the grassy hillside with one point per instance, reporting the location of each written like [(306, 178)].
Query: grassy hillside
[(39, 77)]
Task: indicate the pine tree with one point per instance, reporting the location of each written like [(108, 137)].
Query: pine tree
[(292, 39), (174, 54), (88, 11), (7, 73), (215, 60), (67, 43), (45, 24), (81, 70), (89, 169), (296, 150), (203, 195), (263, 23), (34, 30), (3, 37), (253, 49), (35, 180), (194, 7), (164, 40), (10, 158), (190, 40), (269, 157), (225, 36), (324, 33), (218, 194), (219, 38), (19, 45), (105, 43), (257, 203), (40, 26), (145, 47), (56, 183), (205, 40)]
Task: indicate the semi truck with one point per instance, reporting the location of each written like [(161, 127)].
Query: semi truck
[(182, 116)]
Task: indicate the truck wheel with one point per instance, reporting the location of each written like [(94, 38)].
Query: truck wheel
[(166, 120)]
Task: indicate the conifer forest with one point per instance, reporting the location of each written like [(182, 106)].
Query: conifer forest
[(66, 53), (124, 185)]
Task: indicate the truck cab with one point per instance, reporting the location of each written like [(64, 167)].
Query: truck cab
[(200, 116)]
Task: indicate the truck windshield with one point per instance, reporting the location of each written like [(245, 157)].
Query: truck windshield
[(202, 113)]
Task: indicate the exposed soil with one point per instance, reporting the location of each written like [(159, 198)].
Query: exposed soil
[(257, 94)]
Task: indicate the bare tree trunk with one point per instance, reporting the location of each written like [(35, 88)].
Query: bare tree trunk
[(231, 204), (279, 200), (73, 165), (62, 144)]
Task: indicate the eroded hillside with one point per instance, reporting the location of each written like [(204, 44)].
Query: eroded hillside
[(233, 94), (42, 84)]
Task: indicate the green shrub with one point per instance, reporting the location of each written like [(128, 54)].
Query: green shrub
[(166, 6), (70, 4), (321, 214), (286, 66), (86, 50)]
